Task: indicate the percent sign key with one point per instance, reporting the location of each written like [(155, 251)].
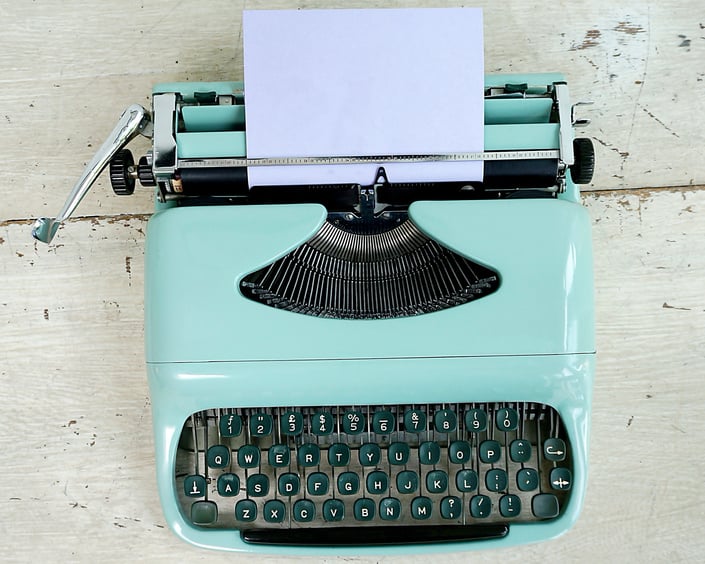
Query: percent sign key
[(353, 422)]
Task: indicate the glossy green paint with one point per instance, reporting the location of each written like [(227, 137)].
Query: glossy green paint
[(196, 257), (179, 389), (533, 340), (210, 144), (213, 118)]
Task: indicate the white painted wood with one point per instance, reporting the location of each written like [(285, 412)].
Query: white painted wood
[(70, 68), (78, 476)]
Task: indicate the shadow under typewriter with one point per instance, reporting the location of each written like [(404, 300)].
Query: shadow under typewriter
[(374, 474), (369, 270)]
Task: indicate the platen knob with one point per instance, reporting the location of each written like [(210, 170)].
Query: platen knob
[(584, 166), (122, 173)]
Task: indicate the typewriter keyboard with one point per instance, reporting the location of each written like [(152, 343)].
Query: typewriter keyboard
[(395, 473)]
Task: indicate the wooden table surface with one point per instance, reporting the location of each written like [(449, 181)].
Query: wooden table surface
[(78, 472)]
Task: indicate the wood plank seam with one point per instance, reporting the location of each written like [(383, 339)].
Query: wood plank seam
[(639, 192)]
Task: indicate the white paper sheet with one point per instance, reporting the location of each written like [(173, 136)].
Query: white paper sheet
[(363, 82)]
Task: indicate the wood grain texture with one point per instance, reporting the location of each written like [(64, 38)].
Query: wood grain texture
[(78, 468), (79, 476), (71, 67)]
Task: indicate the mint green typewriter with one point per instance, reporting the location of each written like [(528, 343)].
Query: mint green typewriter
[(348, 369)]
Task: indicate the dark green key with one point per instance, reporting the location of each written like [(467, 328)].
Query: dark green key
[(348, 483), (554, 450), (369, 454), (407, 482), (338, 454), (228, 485), (445, 421), (257, 485), (291, 423), (466, 480), (317, 483), (415, 421), (383, 422), (520, 450), (561, 479), (510, 505), (322, 423), (429, 453), (260, 424), (274, 511), (490, 451), (288, 484), (195, 485), (364, 509), (377, 482), (389, 509), (480, 506), (496, 480), (506, 419), (204, 513), (527, 479), (205, 97), (230, 425), (475, 420), (218, 456), (333, 510), (279, 456), (248, 456), (544, 506), (246, 510), (309, 455), (459, 452), (353, 422), (436, 481), (514, 88), (304, 511), (398, 454), (451, 507), (421, 508)]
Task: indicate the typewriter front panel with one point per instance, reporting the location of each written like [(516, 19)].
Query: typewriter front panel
[(516, 442)]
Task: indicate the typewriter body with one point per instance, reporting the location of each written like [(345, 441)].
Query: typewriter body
[(385, 368)]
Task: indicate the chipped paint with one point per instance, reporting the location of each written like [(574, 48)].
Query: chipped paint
[(645, 193), (590, 40), (668, 306), (629, 28), (657, 120)]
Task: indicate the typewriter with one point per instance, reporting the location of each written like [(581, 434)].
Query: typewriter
[(346, 368)]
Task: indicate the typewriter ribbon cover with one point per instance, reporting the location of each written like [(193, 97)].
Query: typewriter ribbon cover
[(369, 320)]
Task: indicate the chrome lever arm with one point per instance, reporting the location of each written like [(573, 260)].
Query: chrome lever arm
[(133, 121)]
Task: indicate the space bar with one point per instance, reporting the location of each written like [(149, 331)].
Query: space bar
[(374, 536)]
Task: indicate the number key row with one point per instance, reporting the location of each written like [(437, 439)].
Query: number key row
[(321, 423)]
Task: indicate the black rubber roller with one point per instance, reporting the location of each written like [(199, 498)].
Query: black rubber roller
[(525, 173), (214, 181)]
